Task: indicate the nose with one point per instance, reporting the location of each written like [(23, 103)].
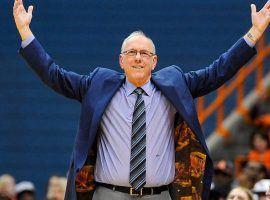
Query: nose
[(138, 56)]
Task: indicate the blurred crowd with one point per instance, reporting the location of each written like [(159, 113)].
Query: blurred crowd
[(252, 183), (25, 190), (248, 176)]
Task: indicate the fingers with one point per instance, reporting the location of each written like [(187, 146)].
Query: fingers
[(17, 3), (18, 7), (30, 10), (253, 9)]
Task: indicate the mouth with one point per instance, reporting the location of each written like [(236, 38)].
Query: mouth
[(137, 67)]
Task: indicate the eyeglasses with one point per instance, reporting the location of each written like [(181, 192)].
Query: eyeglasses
[(143, 53)]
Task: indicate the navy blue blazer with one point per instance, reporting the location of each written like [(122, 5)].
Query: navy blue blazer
[(95, 91)]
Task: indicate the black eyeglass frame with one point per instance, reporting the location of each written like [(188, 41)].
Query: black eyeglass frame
[(143, 53)]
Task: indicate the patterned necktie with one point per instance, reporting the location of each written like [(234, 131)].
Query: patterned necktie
[(138, 143)]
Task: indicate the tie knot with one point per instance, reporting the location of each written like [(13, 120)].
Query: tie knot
[(138, 91)]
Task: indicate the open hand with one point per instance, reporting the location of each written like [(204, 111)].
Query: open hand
[(22, 18), (260, 19)]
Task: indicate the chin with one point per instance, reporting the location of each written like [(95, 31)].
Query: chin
[(138, 79), (139, 82)]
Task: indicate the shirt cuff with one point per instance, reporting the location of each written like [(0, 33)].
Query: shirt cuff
[(27, 41), (249, 43)]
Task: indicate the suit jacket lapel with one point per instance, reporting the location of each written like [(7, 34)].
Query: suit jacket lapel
[(172, 93), (105, 93)]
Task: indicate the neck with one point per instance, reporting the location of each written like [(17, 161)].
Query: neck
[(139, 83)]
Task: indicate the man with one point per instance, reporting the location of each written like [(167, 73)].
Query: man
[(139, 135)]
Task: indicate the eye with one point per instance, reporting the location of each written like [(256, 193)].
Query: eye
[(144, 54), (132, 52)]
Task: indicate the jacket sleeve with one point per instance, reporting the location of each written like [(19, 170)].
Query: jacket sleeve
[(67, 83), (204, 81)]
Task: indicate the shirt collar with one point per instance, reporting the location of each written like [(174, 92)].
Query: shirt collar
[(147, 88)]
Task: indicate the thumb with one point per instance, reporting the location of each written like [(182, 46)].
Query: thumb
[(30, 10), (253, 9)]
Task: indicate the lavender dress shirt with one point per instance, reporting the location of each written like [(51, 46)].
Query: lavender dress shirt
[(113, 141)]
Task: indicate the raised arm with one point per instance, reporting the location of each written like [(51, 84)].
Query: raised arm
[(260, 21), (22, 18), (206, 80), (65, 82)]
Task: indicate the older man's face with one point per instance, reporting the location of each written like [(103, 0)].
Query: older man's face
[(138, 60)]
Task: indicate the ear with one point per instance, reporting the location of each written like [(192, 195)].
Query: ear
[(155, 59), (121, 61)]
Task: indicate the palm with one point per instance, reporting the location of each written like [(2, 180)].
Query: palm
[(22, 18), (261, 19)]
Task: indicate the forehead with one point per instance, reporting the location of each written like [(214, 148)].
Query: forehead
[(139, 43)]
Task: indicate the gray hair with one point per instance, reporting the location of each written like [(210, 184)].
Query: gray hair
[(137, 33)]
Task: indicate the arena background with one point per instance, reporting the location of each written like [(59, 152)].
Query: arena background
[(38, 126)]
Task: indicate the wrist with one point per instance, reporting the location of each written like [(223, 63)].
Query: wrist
[(25, 32), (253, 35)]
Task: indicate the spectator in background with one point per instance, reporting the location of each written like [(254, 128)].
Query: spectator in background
[(240, 193), (25, 190), (56, 188), (252, 173), (222, 179), (245, 180), (261, 189), (7, 186), (256, 169), (260, 149)]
